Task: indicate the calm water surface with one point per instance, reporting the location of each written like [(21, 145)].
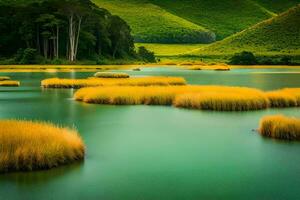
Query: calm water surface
[(155, 152)]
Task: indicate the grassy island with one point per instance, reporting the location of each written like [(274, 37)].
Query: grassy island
[(4, 78), (9, 83), (111, 75), (198, 97), (27, 146), (92, 82), (280, 127)]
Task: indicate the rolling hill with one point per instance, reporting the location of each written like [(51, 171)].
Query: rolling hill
[(278, 35), (183, 21), (151, 23)]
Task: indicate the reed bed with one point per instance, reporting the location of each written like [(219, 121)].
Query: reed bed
[(280, 127), (94, 82), (111, 75), (288, 97), (27, 146), (236, 101), (196, 97), (4, 78), (9, 83)]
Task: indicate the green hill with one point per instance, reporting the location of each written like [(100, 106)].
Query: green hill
[(151, 23), (278, 35), (183, 21)]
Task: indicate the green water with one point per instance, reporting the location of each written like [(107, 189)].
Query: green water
[(156, 152)]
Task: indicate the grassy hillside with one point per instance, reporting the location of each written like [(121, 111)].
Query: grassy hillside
[(176, 21), (279, 35), (150, 23), (170, 49), (277, 6), (224, 17)]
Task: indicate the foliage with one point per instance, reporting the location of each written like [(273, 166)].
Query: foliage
[(243, 58), (59, 29), (29, 56), (146, 55)]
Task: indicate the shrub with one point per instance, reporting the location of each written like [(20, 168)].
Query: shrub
[(146, 55), (27, 146), (280, 127), (29, 56), (243, 58)]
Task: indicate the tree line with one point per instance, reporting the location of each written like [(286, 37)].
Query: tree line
[(62, 29)]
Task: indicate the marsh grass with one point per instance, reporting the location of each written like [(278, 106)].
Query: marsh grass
[(220, 67), (27, 146), (9, 83), (111, 75), (4, 78), (280, 127), (196, 97), (288, 97), (93, 82), (236, 101)]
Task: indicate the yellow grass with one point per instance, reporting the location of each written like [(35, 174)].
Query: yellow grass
[(198, 97), (9, 83), (280, 127), (111, 75), (26, 146), (92, 82), (4, 78), (219, 67), (235, 101), (288, 97)]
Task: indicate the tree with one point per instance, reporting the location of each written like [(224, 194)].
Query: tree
[(243, 58)]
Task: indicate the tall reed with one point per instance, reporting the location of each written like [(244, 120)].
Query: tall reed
[(27, 145)]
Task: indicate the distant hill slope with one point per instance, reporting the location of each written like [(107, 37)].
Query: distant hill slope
[(277, 6), (151, 23), (175, 20), (279, 35)]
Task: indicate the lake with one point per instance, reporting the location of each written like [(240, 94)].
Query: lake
[(158, 152)]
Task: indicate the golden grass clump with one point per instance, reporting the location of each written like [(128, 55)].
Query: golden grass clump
[(280, 127), (239, 101), (111, 75), (93, 82), (9, 83), (289, 97), (27, 146), (198, 97), (281, 99), (4, 78)]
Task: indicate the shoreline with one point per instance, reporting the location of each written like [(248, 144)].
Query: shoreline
[(93, 68)]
